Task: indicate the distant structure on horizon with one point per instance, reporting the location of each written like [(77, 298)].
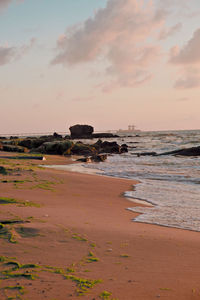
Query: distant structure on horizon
[(131, 129)]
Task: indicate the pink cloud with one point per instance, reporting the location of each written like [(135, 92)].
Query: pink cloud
[(187, 59), (190, 53), (165, 33), (120, 33), (189, 79), (6, 3), (9, 54)]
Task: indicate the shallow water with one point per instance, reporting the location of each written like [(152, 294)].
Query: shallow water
[(171, 184)]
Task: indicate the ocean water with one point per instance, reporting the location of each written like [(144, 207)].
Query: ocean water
[(171, 184)]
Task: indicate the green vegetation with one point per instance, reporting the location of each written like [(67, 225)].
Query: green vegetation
[(27, 232), (45, 185), (124, 255), (4, 201), (19, 288), (6, 233), (91, 257), (105, 295), (83, 285), (3, 171), (79, 238)]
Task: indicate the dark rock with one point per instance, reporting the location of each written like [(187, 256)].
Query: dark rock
[(193, 151), (81, 131), (3, 171), (85, 159), (10, 148), (31, 143), (104, 135), (55, 147), (110, 147), (124, 148), (57, 136), (145, 154), (98, 158), (83, 149), (93, 158)]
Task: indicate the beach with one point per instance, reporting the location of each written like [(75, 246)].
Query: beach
[(78, 240)]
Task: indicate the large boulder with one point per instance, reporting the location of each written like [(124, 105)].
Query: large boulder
[(31, 143), (55, 147), (11, 148), (110, 147), (83, 149), (81, 131)]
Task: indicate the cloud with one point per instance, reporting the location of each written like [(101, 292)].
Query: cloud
[(187, 59), (189, 80), (183, 99), (9, 54), (165, 33), (122, 34), (190, 53), (6, 54), (5, 3)]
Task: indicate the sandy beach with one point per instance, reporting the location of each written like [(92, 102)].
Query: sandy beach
[(74, 238)]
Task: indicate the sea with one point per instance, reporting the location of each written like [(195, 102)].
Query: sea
[(168, 185)]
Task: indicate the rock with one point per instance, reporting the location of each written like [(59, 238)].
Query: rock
[(10, 148), (85, 159), (3, 171), (193, 151), (57, 136), (83, 149), (55, 147), (145, 154), (104, 135), (81, 131), (31, 143), (124, 148), (110, 147), (94, 158), (99, 157)]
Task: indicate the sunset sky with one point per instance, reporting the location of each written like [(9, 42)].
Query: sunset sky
[(104, 63)]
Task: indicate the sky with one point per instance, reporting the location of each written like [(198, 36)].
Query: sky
[(106, 63)]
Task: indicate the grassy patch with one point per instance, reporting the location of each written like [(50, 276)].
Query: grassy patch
[(18, 288), (91, 258), (27, 232), (83, 285), (79, 238), (14, 269), (6, 233), (3, 171), (105, 295), (124, 255), (6, 201), (44, 185)]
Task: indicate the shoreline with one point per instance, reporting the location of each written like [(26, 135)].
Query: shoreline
[(83, 226)]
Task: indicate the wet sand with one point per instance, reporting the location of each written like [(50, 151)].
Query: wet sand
[(77, 228)]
